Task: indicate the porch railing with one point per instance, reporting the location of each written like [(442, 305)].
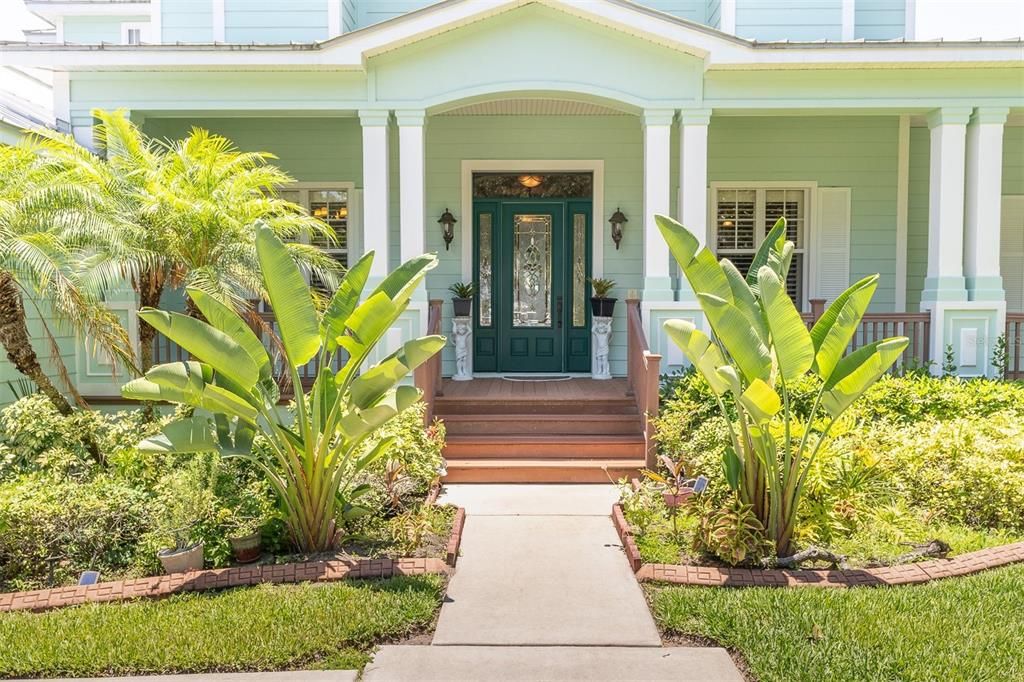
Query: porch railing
[(878, 326), (1015, 346), (428, 375), (643, 370)]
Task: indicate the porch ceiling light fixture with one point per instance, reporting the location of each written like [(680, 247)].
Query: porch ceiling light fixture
[(617, 220), (447, 222), (530, 181)]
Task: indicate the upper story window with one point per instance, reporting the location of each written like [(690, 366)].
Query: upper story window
[(743, 216), (329, 203), (134, 33)]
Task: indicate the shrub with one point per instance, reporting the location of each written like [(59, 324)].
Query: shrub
[(67, 527)]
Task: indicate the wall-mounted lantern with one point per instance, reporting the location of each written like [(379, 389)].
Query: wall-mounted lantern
[(617, 220), (447, 222)]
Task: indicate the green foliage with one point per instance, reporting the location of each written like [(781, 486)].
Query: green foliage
[(462, 290), (269, 627), (601, 287), (62, 513), (733, 533), (917, 458), (310, 460), (959, 629), (760, 346), (1000, 356), (949, 364)]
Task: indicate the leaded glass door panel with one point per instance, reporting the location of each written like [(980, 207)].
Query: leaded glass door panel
[(530, 295)]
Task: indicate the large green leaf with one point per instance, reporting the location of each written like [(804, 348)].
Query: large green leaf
[(832, 332), (790, 338), (733, 466), (371, 319), (227, 320), (743, 297), (290, 298), (344, 301), (699, 350), (189, 435), (699, 265), (855, 373), (204, 342), (369, 386), (149, 391), (760, 401), (773, 241), (223, 401), (401, 282), (741, 339)]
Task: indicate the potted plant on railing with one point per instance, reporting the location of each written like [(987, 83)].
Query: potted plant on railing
[(462, 298), (600, 304)]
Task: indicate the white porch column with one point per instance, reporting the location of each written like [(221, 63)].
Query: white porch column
[(945, 277), (982, 204), (375, 187), (657, 199), (967, 327), (693, 180), (411, 180)]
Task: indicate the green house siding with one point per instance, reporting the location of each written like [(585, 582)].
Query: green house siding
[(691, 10), (370, 12), (789, 19), (271, 21), (880, 19), (95, 30), (64, 340), (1013, 160), (855, 152), (186, 21), (713, 13)]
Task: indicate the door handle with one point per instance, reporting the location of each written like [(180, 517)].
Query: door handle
[(558, 311)]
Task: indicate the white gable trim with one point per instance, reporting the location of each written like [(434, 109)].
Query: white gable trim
[(350, 51)]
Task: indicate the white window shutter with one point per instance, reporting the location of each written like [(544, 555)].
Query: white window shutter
[(830, 259), (1011, 248)]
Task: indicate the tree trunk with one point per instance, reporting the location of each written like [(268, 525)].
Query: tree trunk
[(15, 339), (150, 290)]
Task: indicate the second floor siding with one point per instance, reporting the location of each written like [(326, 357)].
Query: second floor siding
[(306, 21)]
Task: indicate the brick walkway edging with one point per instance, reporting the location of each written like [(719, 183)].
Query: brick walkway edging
[(236, 576), (903, 574)]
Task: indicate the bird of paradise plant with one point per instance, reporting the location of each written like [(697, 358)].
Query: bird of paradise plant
[(760, 344)]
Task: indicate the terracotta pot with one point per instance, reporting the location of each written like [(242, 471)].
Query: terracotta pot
[(182, 560), (247, 549), (463, 307), (679, 500), (602, 307)]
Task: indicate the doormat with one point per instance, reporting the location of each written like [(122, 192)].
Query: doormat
[(539, 377)]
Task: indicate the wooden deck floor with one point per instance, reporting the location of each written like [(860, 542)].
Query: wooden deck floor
[(575, 389)]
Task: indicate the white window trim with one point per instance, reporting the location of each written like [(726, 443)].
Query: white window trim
[(143, 28), (810, 189), (355, 222)]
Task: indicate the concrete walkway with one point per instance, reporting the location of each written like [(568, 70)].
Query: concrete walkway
[(542, 591)]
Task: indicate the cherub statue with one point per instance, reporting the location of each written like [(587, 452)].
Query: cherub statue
[(602, 333), (461, 333)]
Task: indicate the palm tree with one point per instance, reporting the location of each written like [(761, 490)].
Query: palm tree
[(183, 215), (43, 216)]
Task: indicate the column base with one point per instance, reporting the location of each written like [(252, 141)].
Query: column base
[(970, 328), (655, 314), (658, 289), (940, 289), (985, 289)]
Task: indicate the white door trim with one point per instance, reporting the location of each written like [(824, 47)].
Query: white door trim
[(470, 166)]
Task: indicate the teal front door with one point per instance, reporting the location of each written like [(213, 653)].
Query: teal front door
[(531, 260)]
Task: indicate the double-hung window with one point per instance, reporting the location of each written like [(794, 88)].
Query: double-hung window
[(331, 204), (744, 215)]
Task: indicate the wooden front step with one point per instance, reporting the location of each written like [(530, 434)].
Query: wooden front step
[(622, 406), (529, 446), (541, 424), (548, 470)]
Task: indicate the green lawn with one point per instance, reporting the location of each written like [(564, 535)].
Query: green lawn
[(959, 629), (261, 628)]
